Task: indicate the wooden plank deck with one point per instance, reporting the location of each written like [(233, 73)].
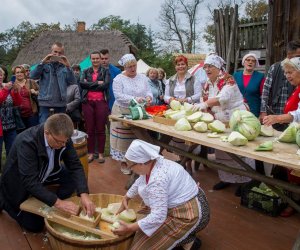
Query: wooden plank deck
[(232, 227)]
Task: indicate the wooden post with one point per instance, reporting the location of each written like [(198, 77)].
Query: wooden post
[(231, 41)]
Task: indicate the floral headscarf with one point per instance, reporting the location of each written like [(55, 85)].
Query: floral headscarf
[(215, 60)]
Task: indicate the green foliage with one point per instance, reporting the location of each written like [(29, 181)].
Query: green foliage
[(144, 39), (256, 9), (209, 34), (13, 39)]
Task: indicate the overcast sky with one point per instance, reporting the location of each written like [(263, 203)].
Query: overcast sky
[(13, 12), (146, 12)]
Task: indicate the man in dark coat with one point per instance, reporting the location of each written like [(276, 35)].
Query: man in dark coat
[(40, 156)]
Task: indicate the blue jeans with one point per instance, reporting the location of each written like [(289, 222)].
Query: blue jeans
[(31, 121), (44, 112), (8, 138)]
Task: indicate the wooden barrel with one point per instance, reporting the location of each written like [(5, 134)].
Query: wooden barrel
[(82, 152), (59, 241)]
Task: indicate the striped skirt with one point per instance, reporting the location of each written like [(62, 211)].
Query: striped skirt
[(180, 227), (120, 136)]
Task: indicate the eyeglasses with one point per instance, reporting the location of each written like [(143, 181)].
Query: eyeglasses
[(59, 142), (208, 66), (250, 60)]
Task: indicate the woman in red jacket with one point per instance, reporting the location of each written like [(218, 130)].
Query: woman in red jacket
[(9, 97)]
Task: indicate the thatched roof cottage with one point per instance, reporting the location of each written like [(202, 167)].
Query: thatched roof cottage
[(78, 45)]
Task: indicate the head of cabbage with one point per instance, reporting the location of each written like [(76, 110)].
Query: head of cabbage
[(237, 139), (182, 125), (245, 123), (175, 105), (289, 134)]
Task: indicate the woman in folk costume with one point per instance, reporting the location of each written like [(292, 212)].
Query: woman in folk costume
[(176, 208), (291, 110), (250, 83), (221, 96), (126, 86)]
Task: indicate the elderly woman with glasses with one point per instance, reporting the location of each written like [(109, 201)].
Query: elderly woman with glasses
[(250, 82), (175, 208), (221, 96), (126, 87), (291, 69)]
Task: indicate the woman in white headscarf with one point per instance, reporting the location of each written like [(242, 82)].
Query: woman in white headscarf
[(291, 69), (250, 82), (126, 87), (175, 207), (221, 96)]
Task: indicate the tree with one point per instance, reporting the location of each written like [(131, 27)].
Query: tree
[(178, 19), (256, 9), (13, 39), (137, 33)]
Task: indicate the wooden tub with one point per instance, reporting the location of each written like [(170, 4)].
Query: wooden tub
[(60, 241)]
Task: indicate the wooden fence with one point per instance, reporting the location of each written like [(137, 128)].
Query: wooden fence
[(226, 34), (283, 27), (236, 38)]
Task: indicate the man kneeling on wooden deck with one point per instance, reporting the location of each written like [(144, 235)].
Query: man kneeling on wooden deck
[(35, 161)]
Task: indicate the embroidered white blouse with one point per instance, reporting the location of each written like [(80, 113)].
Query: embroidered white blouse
[(230, 99), (169, 186), (126, 88)]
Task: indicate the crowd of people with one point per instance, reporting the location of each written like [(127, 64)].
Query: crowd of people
[(40, 108)]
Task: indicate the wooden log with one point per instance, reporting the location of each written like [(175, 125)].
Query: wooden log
[(222, 35), (231, 41), (227, 30), (217, 27)]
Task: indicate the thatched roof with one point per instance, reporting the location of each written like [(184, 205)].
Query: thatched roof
[(78, 45), (193, 59)]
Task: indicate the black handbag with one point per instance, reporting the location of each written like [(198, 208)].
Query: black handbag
[(18, 119)]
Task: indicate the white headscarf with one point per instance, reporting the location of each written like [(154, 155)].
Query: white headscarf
[(140, 152), (248, 55), (126, 58), (214, 60), (295, 62)]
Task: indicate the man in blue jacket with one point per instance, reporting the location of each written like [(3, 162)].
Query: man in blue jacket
[(54, 74), (34, 162)]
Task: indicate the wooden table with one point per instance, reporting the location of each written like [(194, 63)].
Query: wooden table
[(283, 154)]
